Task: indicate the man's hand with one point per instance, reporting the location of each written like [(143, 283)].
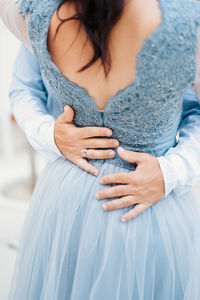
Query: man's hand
[(72, 140), (142, 187)]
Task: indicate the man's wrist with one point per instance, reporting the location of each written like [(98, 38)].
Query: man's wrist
[(169, 174), (53, 146), (42, 138)]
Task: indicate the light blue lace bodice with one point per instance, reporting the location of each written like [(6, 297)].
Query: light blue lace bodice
[(145, 115)]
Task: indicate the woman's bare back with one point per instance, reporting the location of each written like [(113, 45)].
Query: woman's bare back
[(70, 51)]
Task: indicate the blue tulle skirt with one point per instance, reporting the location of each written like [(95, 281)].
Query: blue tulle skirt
[(70, 249)]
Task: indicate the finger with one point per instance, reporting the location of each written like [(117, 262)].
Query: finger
[(100, 154), (134, 212), (100, 143), (84, 165), (115, 191), (123, 177), (119, 203), (130, 156), (88, 132), (67, 116)]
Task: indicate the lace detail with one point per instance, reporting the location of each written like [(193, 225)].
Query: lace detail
[(25, 7), (144, 116)]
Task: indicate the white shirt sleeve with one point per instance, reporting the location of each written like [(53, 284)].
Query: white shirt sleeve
[(28, 98), (33, 118), (10, 14), (181, 165)]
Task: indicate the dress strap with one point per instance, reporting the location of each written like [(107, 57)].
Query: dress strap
[(25, 6)]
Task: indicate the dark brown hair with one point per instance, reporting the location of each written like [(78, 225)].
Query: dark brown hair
[(98, 18)]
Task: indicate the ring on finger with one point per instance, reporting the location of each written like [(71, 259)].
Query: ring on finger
[(85, 151)]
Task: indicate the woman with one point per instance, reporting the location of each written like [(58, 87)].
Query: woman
[(135, 60)]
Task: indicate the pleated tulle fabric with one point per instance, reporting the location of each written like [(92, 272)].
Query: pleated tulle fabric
[(71, 249)]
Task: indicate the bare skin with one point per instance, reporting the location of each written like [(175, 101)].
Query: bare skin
[(145, 186)]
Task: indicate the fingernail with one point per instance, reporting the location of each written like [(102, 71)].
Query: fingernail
[(97, 196), (123, 219), (108, 132), (116, 144), (101, 180), (120, 149), (111, 153), (104, 206), (96, 173)]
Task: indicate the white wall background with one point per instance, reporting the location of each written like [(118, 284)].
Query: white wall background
[(8, 49)]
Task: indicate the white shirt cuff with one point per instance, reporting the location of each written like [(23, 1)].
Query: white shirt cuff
[(52, 143), (169, 174), (41, 137)]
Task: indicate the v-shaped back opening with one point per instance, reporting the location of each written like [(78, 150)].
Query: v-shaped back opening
[(83, 89)]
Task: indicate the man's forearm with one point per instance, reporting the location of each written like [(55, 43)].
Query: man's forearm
[(181, 165), (32, 116), (28, 98)]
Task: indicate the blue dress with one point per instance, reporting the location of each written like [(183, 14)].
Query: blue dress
[(70, 248)]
